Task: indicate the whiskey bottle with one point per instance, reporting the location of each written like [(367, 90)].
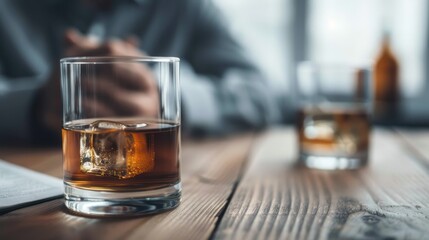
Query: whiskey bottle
[(386, 82)]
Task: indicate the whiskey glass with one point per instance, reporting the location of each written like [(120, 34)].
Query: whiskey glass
[(121, 135), (333, 117)]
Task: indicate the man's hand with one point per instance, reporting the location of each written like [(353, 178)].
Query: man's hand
[(122, 89)]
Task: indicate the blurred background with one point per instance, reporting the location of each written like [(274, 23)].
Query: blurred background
[(279, 34)]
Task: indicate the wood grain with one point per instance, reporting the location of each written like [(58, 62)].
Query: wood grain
[(46, 160), (276, 199), (209, 172), (418, 141)]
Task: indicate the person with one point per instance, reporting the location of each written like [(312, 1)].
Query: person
[(222, 91)]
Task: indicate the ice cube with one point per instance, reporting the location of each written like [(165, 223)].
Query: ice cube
[(107, 149), (347, 143), (104, 124)]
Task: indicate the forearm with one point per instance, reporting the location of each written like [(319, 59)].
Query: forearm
[(223, 91), (17, 108), (238, 101)]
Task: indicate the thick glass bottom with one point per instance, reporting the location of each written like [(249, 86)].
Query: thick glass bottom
[(121, 204), (333, 162)]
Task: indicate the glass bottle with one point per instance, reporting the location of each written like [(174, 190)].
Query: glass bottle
[(386, 81)]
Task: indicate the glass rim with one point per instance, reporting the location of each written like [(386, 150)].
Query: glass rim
[(116, 59)]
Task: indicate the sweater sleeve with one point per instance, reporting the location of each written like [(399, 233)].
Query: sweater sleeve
[(16, 103), (222, 89)]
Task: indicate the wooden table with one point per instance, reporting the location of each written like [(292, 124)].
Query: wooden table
[(249, 187)]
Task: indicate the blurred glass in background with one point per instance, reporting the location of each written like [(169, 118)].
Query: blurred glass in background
[(281, 33)]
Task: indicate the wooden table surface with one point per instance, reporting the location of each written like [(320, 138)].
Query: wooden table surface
[(250, 187)]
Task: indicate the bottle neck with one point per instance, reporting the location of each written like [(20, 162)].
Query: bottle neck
[(386, 44)]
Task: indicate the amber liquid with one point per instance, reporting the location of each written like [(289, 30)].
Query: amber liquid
[(125, 159), (386, 75), (333, 131), (386, 83)]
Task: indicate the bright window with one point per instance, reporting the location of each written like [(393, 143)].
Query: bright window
[(263, 28), (351, 31), (345, 31)]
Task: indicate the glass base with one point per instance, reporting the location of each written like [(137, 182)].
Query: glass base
[(121, 204), (333, 162)]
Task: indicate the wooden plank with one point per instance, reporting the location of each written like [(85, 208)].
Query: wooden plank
[(209, 172), (205, 195), (276, 199), (418, 141)]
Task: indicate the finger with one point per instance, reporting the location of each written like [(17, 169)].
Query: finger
[(130, 76), (73, 38), (124, 102), (96, 108), (134, 76), (84, 46), (132, 40), (135, 104)]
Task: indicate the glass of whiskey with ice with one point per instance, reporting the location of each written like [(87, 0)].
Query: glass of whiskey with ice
[(333, 120), (121, 135)]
